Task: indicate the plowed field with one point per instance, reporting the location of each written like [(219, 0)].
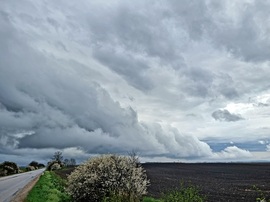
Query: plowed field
[(217, 181)]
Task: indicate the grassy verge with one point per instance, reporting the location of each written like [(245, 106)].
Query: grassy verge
[(181, 194), (50, 187)]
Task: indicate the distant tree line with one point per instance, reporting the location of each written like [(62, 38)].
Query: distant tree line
[(34, 165), (57, 162), (9, 168), (70, 162)]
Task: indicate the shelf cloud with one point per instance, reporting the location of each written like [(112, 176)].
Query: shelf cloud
[(99, 77)]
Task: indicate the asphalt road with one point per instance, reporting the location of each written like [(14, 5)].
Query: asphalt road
[(10, 185)]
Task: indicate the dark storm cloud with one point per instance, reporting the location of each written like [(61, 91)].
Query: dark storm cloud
[(131, 68), (45, 103), (133, 36), (65, 66), (225, 115)]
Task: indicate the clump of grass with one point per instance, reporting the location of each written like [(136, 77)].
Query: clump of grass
[(150, 199), (262, 197), (50, 187), (183, 194), (121, 198), (116, 198)]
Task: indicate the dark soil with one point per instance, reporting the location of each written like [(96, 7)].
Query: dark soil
[(63, 173), (217, 181)]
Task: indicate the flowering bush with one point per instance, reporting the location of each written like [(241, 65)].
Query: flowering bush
[(30, 168), (107, 175), (54, 165), (8, 168)]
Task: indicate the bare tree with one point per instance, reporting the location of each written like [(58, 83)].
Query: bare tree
[(133, 155), (72, 162), (58, 156), (66, 162)]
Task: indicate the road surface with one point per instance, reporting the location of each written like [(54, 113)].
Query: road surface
[(10, 185)]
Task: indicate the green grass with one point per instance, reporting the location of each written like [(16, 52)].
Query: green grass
[(50, 187), (150, 199), (23, 169), (262, 197), (181, 194)]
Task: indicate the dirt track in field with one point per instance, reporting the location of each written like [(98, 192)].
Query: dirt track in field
[(217, 181)]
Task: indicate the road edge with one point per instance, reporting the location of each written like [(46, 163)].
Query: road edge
[(21, 195)]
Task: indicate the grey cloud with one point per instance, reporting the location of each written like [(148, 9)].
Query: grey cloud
[(131, 68), (126, 36), (134, 30), (55, 59), (225, 115), (224, 84), (49, 105), (244, 34), (163, 31), (193, 15), (132, 38), (262, 104), (229, 92), (199, 81), (191, 115)]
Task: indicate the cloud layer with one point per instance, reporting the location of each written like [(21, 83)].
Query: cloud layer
[(225, 115), (98, 77)]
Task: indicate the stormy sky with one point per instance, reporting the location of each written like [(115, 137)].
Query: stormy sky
[(172, 80)]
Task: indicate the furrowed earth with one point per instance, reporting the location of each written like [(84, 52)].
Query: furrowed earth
[(216, 181)]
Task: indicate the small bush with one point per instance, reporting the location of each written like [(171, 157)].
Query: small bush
[(150, 199), (22, 169), (34, 164), (183, 194), (108, 178), (8, 168), (30, 168), (262, 197), (54, 165), (41, 165), (115, 198)]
